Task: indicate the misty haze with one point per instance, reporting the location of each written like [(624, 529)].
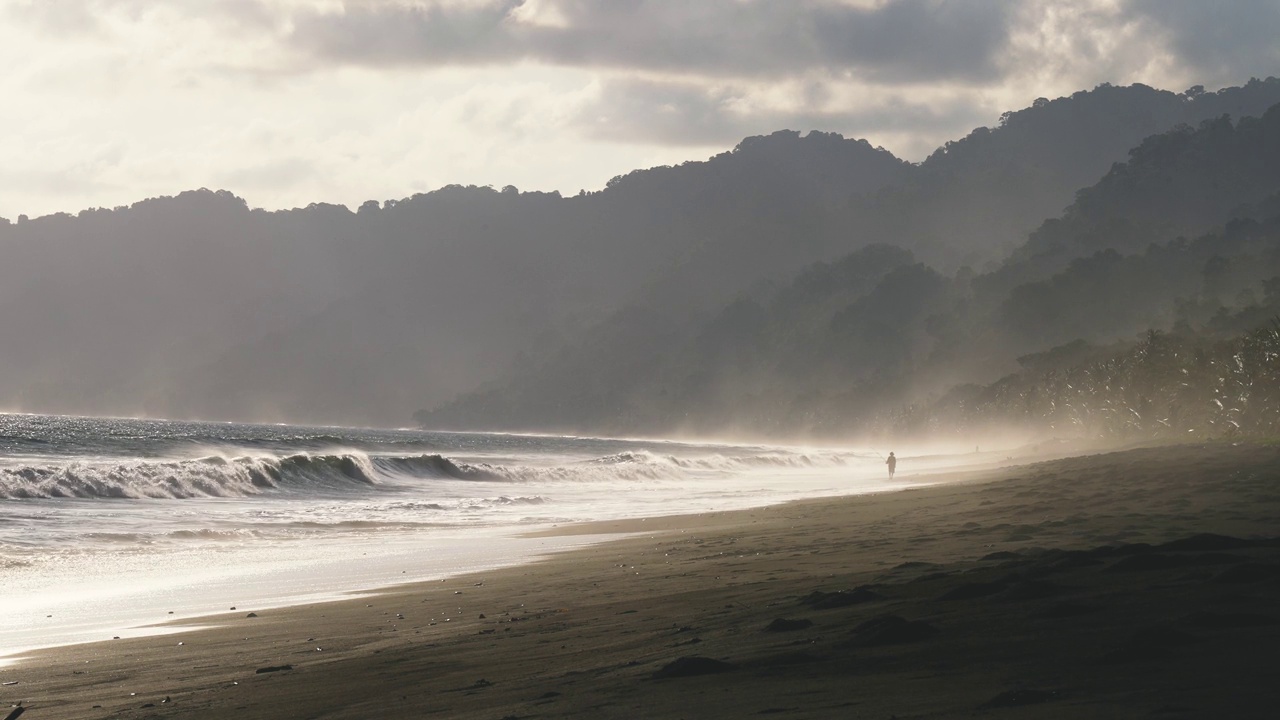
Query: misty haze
[(797, 285), (546, 358)]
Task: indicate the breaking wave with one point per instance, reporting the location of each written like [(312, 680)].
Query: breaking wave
[(433, 466), (217, 476), (727, 463), (641, 465)]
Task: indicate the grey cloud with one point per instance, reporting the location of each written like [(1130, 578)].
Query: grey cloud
[(679, 113), (663, 112), (248, 13), (900, 41), (430, 34), (1217, 42), (919, 39)]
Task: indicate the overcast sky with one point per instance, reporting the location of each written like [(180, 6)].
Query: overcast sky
[(288, 102)]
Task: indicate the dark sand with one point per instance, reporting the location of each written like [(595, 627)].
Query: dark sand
[(1077, 588)]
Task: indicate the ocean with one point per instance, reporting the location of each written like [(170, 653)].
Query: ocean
[(109, 527)]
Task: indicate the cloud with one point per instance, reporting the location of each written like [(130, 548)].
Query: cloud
[(1215, 43), (59, 17), (917, 40), (910, 74), (62, 18), (274, 174), (435, 34), (900, 42), (696, 114), (383, 98)]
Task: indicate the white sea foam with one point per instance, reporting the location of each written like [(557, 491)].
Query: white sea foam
[(116, 522)]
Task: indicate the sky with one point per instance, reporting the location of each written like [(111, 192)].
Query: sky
[(288, 102)]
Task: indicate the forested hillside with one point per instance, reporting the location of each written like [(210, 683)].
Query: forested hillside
[(687, 296), (1184, 237)]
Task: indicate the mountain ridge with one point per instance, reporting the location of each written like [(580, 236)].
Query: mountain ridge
[(199, 306)]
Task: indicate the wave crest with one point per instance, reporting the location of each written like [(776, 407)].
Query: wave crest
[(434, 466), (726, 463), (200, 477), (220, 476)]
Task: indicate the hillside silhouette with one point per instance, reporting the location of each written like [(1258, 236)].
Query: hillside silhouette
[(848, 342), (656, 302)]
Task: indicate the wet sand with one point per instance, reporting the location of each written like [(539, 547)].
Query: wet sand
[(1143, 583)]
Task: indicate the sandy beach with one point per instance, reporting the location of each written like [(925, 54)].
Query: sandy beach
[(1142, 583)]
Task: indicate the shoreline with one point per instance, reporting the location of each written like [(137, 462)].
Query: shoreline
[(452, 552), (491, 550), (969, 565)]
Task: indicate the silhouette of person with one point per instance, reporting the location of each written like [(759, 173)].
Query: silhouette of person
[(892, 462)]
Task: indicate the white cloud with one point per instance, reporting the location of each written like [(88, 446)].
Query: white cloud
[(295, 101)]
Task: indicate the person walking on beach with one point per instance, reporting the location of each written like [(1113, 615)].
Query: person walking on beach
[(892, 462)]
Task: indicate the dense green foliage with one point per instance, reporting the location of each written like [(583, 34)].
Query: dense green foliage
[(1168, 386), (878, 341)]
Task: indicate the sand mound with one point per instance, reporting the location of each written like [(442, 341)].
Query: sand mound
[(891, 630), (691, 666), (785, 625), (819, 600)]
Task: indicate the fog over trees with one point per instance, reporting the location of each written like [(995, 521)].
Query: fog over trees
[(798, 284)]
